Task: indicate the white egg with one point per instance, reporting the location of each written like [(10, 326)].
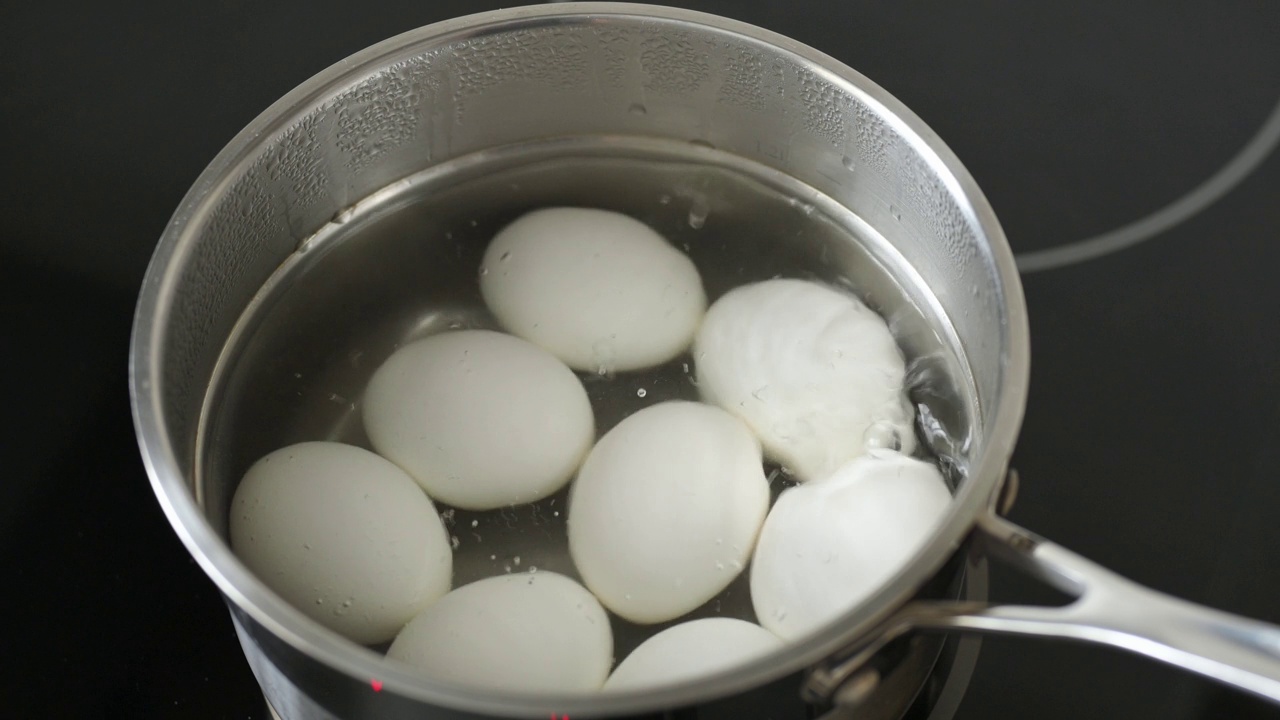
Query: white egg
[(529, 632), (666, 509), (829, 544), (480, 419), (813, 371), (598, 289), (344, 536), (691, 650)]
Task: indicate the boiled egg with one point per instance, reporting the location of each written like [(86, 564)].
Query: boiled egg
[(534, 632), (343, 535), (480, 419), (666, 509), (691, 650), (829, 544), (814, 373), (598, 289)]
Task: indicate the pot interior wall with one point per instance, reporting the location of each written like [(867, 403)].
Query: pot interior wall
[(444, 98)]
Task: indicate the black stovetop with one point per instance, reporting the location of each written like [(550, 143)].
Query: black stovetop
[(1150, 443)]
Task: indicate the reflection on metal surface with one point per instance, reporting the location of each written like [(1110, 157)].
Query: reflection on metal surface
[(1107, 609), (1204, 195), (922, 675), (1110, 610)]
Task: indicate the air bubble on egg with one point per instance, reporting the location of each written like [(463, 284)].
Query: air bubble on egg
[(882, 436), (691, 650), (830, 543), (829, 366), (662, 497), (598, 289), (327, 515), (534, 633), (465, 414)]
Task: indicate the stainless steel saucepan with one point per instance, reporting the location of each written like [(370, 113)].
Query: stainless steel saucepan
[(450, 99)]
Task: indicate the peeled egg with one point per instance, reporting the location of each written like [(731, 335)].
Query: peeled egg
[(480, 419), (829, 544), (813, 371), (597, 289), (344, 536), (530, 632), (690, 650), (666, 508)]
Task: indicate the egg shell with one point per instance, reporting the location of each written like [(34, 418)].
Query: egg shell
[(666, 509), (814, 372), (343, 535), (528, 632), (691, 650), (829, 544), (598, 289), (480, 419)]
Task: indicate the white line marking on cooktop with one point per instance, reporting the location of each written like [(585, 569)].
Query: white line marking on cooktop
[(1204, 195)]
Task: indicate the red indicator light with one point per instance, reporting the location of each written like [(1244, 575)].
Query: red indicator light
[(376, 685)]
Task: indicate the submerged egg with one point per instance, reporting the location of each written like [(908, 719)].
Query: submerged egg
[(830, 543), (480, 419), (814, 372), (691, 650), (534, 633), (598, 289), (343, 535), (666, 508)]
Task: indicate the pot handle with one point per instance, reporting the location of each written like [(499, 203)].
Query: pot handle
[(1109, 610)]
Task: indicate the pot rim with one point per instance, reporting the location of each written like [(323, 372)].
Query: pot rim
[(168, 478)]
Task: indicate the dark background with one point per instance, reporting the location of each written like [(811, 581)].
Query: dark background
[(1150, 443)]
